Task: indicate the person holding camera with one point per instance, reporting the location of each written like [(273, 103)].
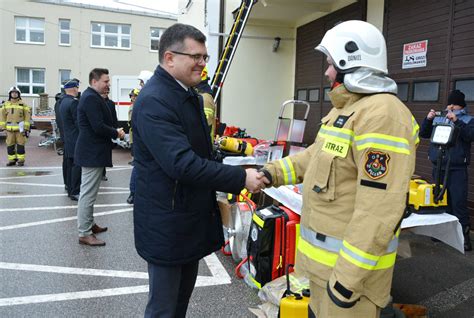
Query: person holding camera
[(460, 153)]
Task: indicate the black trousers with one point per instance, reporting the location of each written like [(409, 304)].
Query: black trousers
[(73, 177), (457, 189), (170, 289)]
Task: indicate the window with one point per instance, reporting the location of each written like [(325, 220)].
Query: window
[(155, 35), (326, 94), (29, 30), (467, 87), (301, 94), (425, 91), (30, 80), (402, 91), (109, 35), (314, 95), (64, 32), (64, 75)]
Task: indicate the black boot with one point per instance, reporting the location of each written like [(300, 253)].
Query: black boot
[(467, 238), (131, 198)]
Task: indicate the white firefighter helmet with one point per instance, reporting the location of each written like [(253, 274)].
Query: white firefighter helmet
[(353, 44), (145, 76), (14, 89)]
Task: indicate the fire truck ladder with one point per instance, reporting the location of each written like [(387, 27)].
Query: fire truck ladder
[(231, 46)]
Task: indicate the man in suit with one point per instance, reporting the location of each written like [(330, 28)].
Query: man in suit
[(176, 218), (68, 114), (93, 151)]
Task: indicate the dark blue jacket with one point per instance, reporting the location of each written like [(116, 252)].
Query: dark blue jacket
[(68, 113), (113, 111), (460, 153), (94, 145), (176, 218)]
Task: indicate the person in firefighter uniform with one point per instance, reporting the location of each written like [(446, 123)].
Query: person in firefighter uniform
[(15, 118), (355, 178), (204, 89)]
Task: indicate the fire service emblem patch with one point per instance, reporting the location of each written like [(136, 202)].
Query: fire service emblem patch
[(376, 165)]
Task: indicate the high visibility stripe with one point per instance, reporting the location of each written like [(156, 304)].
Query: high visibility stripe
[(382, 141), (20, 156), (2, 123), (416, 130), (208, 111), (11, 157), (13, 127), (289, 174), (326, 252), (329, 244), (14, 107), (27, 125), (259, 286), (317, 254), (337, 134), (257, 220)]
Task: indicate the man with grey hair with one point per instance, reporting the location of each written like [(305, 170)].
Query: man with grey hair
[(176, 218)]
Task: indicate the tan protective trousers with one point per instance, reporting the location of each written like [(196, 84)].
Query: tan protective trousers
[(324, 307)]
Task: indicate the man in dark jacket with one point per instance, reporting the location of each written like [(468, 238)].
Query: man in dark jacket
[(93, 151), (176, 218), (460, 154), (68, 114)]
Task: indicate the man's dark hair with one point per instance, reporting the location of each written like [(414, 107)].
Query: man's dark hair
[(97, 74), (173, 38)]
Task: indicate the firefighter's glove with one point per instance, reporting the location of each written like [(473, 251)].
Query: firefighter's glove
[(267, 175), (340, 295), (26, 133)]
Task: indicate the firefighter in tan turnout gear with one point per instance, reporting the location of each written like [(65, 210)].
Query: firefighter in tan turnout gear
[(15, 118), (355, 178)]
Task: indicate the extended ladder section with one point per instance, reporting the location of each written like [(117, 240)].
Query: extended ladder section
[(231, 46)]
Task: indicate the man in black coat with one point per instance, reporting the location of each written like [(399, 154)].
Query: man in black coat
[(93, 151), (68, 114), (176, 218)]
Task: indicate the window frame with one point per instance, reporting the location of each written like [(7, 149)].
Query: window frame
[(408, 91), (64, 31), (28, 30), (61, 85), (119, 35), (463, 80), (413, 91), (30, 84), (162, 30)]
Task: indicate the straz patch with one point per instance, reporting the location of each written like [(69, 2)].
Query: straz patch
[(376, 165), (336, 148)]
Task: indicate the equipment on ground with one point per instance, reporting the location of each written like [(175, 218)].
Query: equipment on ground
[(290, 131), (421, 198), (271, 244), (294, 305), (240, 221)]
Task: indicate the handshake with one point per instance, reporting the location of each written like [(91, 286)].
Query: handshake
[(255, 180), (120, 133)]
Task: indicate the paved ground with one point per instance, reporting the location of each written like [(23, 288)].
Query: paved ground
[(44, 272)]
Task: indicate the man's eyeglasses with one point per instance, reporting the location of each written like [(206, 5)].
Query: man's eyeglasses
[(196, 57)]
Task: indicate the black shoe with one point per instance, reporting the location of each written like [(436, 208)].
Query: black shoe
[(11, 163), (467, 238), (130, 198), (20, 163), (104, 178), (74, 197)]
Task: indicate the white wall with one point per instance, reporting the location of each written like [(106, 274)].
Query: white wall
[(80, 58), (375, 12)]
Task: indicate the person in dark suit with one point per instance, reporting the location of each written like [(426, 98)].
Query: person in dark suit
[(93, 151), (176, 218), (111, 104), (68, 114)]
